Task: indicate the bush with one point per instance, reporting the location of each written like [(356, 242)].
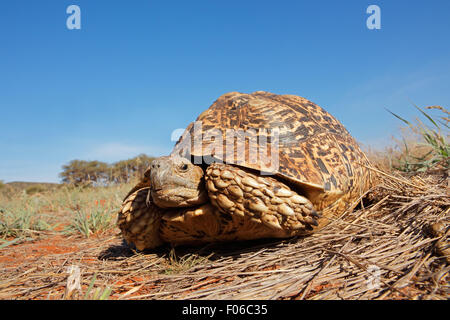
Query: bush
[(37, 188)]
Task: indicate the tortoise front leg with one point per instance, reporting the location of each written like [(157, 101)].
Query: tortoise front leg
[(139, 220), (264, 199)]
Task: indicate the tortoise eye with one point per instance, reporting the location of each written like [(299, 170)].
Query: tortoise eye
[(184, 167)]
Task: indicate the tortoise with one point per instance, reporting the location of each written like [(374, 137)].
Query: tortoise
[(209, 190)]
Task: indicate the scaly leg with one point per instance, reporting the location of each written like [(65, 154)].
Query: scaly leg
[(139, 220), (264, 199)]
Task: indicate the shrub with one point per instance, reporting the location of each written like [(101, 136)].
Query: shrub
[(37, 188)]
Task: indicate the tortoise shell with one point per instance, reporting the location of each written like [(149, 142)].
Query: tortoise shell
[(315, 152)]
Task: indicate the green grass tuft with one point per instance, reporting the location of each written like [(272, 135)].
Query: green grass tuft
[(88, 222), (177, 264), (430, 149), (98, 293)]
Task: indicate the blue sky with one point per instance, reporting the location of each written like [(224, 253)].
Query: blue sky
[(139, 69)]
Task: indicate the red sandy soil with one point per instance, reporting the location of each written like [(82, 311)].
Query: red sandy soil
[(29, 252)]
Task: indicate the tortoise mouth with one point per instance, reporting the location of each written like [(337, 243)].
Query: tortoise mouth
[(178, 197)]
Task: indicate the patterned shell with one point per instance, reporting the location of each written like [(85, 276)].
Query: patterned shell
[(315, 151)]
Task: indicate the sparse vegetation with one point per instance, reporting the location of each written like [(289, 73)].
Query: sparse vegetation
[(23, 216), (425, 147), (12, 189), (67, 209)]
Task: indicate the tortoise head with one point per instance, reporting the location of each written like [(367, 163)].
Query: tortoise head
[(176, 182)]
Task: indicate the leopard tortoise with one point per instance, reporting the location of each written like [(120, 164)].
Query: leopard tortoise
[(208, 190)]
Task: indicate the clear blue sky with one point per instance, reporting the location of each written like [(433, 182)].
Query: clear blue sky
[(139, 69)]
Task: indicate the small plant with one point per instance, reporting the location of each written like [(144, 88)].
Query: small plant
[(99, 293), (432, 150), (180, 264), (88, 222)]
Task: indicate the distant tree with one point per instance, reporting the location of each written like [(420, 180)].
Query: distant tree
[(120, 171), (123, 171), (81, 172), (2, 185), (140, 164)]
